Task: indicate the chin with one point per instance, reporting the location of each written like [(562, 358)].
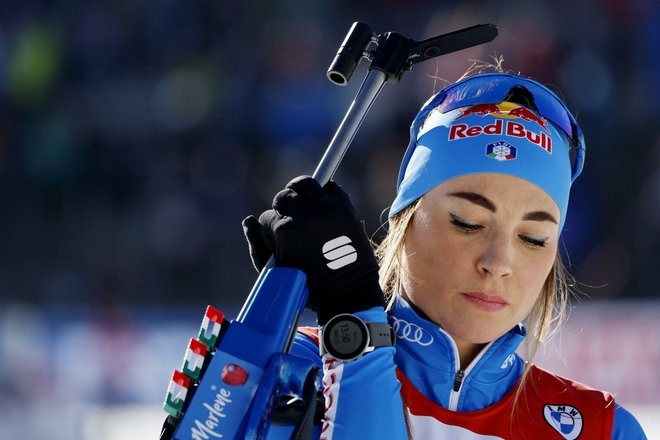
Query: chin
[(476, 335)]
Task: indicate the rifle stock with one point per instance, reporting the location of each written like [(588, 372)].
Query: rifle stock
[(245, 369)]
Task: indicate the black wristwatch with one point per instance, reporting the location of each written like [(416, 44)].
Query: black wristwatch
[(346, 337)]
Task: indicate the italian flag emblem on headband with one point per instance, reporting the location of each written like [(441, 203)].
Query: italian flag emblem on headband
[(194, 359), (210, 330), (176, 393)]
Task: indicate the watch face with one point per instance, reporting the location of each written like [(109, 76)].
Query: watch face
[(345, 338)]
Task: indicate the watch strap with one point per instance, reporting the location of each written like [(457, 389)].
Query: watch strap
[(380, 334)]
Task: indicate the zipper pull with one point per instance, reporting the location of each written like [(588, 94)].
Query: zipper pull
[(459, 380)]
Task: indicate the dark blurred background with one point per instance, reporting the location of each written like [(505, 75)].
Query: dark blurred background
[(136, 135)]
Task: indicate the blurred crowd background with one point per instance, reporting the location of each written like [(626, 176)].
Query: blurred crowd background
[(135, 135)]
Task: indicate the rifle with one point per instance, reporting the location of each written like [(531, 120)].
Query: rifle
[(238, 378)]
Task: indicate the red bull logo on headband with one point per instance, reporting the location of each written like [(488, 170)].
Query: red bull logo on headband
[(505, 124)]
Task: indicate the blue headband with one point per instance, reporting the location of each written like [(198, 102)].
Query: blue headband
[(449, 141)]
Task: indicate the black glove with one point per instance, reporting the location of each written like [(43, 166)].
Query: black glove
[(314, 229)]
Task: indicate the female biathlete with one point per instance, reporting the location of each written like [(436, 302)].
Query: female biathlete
[(420, 342)]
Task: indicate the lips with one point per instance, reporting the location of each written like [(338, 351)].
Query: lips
[(483, 301)]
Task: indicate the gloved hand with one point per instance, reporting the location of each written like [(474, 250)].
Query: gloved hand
[(315, 229)]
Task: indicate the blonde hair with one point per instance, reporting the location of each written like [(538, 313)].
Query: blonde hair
[(544, 320)]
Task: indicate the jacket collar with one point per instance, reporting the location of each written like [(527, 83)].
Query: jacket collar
[(428, 357)]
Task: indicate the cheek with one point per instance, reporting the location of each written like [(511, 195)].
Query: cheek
[(430, 241), (533, 274), (433, 261)]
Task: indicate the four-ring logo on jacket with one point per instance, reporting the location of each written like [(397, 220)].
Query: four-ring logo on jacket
[(339, 252), (410, 332)]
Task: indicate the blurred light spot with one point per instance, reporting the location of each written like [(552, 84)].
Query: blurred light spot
[(34, 63), (177, 231), (587, 81), (120, 106), (182, 98), (21, 329), (51, 154)]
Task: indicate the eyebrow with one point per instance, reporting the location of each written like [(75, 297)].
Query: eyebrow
[(477, 199), (482, 201), (540, 216)]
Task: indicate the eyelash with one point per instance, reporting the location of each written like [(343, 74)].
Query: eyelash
[(469, 228), (534, 242)]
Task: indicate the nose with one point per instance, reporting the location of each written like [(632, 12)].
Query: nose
[(496, 259)]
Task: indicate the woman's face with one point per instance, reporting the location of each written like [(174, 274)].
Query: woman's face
[(478, 252)]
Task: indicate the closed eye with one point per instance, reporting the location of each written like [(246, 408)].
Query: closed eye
[(534, 242), (464, 226)]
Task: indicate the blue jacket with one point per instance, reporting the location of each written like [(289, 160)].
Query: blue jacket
[(364, 397)]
